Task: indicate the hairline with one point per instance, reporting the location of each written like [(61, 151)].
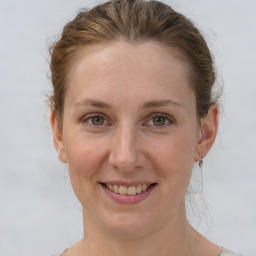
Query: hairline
[(81, 50)]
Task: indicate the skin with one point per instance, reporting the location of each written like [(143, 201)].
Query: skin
[(128, 86)]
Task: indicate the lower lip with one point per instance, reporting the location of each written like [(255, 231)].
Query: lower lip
[(126, 199)]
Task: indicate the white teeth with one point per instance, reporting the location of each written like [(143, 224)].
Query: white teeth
[(123, 190), (138, 189), (115, 189), (131, 190)]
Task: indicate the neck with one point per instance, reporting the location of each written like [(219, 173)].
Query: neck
[(175, 237)]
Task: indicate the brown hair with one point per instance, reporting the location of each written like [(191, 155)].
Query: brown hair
[(133, 21)]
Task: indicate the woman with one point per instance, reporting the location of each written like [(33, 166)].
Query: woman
[(132, 111)]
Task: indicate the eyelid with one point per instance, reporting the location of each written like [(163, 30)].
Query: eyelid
[(168, 117), (87, 117), (84, 119)]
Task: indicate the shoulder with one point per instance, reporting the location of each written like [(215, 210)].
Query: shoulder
[(59, 254), (226, 252)]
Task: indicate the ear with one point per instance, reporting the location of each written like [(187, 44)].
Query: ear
[(58, 138), (208, 132)]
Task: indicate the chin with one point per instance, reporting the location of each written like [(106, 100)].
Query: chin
[(129, 225)]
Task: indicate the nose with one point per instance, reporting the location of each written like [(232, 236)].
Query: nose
[(126, 152)]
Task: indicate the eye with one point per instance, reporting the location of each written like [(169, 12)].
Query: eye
[(97, 120), (94, 120), (159, 120)]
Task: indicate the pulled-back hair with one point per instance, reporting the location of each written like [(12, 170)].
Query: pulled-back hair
[(133, 21)]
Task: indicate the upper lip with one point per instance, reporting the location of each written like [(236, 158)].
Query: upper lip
[(127, 184)]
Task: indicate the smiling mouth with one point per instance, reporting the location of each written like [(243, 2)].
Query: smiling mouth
[(128, 190)]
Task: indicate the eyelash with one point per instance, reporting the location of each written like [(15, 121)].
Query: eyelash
[(85, 120), (167, 119)]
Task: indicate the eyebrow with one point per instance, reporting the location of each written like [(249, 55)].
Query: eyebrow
[(149, 104), (161, 103), (93, 103)]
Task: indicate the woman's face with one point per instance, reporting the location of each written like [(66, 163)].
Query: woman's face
[(130, 124)]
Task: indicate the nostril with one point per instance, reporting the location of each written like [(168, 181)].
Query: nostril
[(125, 164)]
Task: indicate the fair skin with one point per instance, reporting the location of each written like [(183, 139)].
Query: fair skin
[(130, 120)]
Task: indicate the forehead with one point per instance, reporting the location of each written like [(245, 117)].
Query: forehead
[(150, 52), (127, 68)]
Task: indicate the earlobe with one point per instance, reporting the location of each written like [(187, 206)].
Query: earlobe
[(58, 138), (209, 128)]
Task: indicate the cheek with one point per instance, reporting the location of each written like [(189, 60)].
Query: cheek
[(176, 149), (84, 156), (173, 158)]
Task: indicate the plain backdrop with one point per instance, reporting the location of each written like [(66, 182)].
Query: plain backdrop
[(39, 214)]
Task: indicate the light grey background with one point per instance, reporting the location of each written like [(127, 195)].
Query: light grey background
[(39, 214)]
